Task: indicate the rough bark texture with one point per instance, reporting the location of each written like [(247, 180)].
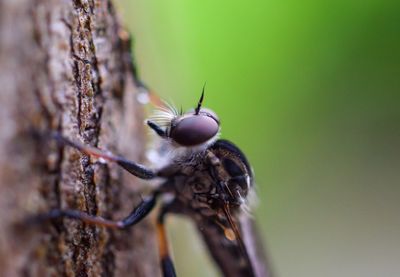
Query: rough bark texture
[(63, 66)]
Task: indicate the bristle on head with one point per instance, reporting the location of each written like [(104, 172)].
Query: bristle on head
[(164, 114), (200, 101)]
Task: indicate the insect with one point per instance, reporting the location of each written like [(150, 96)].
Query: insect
[(205, 178)]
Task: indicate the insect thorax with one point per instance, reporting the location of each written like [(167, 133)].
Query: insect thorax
[(202, 183)]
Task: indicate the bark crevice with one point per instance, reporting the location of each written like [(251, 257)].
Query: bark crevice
[(64, 68)]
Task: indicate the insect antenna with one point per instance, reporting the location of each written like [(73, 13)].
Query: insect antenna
[(200, 101)]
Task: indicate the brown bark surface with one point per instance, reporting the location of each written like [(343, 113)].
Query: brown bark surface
[(64, 66)]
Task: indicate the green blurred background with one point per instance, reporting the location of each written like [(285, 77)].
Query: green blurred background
[(310, 91)]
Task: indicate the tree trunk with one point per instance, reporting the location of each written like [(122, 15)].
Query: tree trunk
[(64, 66)]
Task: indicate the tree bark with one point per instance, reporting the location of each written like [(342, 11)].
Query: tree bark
[(64, 66)]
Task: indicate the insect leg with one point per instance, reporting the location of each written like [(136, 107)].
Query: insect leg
[(132, 167), (138, 213), (167, 265)]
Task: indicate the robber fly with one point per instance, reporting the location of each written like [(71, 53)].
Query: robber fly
[(206, 178)]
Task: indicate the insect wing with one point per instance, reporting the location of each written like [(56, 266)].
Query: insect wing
[(231, 236), (225, 248), (254, 246)]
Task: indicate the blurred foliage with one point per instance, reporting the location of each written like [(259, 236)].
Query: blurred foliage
[(310, 91)]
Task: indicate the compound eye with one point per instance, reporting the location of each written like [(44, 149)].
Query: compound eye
[(209, 113), (194, 130)]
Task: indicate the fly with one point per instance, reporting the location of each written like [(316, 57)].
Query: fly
[(205, 178)]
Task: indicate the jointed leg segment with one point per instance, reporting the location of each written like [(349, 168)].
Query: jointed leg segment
[(132, 167), (138, 213), (167, 265)]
